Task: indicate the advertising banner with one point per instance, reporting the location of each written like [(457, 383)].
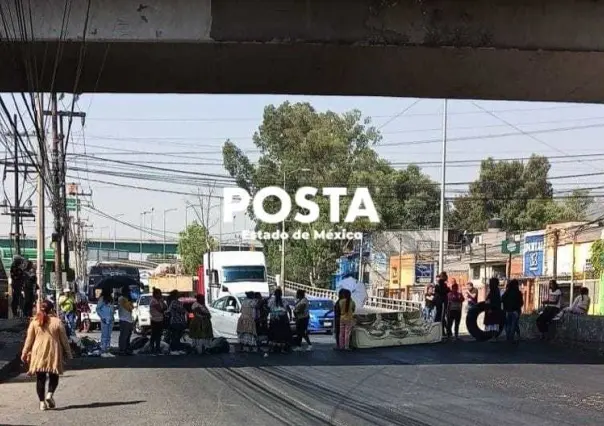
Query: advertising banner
[(534, 254)]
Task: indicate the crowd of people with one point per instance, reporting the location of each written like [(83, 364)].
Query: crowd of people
[(444, 303)]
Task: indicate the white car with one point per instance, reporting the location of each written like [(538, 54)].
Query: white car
[(141, 314), (225, 314)]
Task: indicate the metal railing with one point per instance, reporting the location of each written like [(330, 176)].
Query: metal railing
[(384, 303)]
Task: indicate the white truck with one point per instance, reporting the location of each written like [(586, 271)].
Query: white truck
[(232, 273)]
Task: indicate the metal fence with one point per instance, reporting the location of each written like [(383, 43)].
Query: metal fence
[(592, 285), (384, 303)]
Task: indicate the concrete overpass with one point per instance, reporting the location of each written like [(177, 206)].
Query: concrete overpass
[(551, 50)]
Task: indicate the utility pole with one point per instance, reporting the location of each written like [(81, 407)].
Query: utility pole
[(555, 262), (400, 265), (56, 191), (61, 218), (76, 239), (40, 214), (484, 246), (441, 247), (16, 211)]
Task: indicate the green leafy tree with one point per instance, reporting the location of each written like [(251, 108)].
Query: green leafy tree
[(597, 257), (323, 149), (193, 243), (519, 194)]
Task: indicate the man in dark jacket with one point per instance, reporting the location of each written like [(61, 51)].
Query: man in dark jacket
[(17, 280)]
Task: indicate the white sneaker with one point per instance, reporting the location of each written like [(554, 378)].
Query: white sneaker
[(174, 353), (43, 406), (297, 349), (309, 348), (50, 401), (107, 355)]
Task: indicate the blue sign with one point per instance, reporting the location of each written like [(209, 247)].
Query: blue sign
[(424, 273), (533, 254)]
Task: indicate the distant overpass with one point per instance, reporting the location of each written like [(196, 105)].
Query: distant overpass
[(132, 246), (490, 49)]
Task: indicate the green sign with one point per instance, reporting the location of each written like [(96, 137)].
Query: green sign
[(510, 247), (73, 204)]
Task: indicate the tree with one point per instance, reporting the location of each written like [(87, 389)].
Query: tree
[(193, 243), (597, 257), (334, 150), (519, 194)]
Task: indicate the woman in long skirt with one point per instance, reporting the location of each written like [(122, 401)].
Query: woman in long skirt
[(280, 333), (200, 330), (246, 325)]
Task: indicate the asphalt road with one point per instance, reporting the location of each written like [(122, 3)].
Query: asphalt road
[(462, 383)]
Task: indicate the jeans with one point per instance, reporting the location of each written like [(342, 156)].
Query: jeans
[(157, 328), (302, 331), (511, 324), (106, 329), (125, 335), (428, 314), (70, 323), (453, 317)]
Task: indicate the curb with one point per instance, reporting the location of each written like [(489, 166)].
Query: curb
[(13, 366)]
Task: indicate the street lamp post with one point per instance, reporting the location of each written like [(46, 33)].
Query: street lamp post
[(151, 228), (166, 211), (283, 227), (115, 231), (143, 214)]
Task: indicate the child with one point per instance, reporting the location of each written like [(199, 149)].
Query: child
[(454, 308)]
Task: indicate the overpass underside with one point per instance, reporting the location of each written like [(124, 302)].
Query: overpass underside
[(537, 50)]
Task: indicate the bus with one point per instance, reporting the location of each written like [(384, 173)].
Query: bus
[(102, 270)]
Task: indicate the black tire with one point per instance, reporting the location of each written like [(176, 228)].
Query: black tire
[(472, 324)]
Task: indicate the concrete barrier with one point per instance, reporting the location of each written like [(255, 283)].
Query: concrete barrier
[(579, 331)]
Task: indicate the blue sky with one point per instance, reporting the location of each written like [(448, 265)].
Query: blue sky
[(187, 132)]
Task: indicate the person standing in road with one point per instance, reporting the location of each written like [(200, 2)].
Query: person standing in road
[(157, 309), (16, 280), (493, 314), (68, 310), (105, 310), (336, 317), (200, 330), (302, 315), (347, 309), (471, 296), (246, 324), (29, 289), (441, 299), (125, 308), (44, 350), (512, 306), (428, 311), (280, 334), (178, 322), (454, 308)]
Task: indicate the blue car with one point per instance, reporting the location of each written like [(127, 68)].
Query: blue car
[(321, 315)]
